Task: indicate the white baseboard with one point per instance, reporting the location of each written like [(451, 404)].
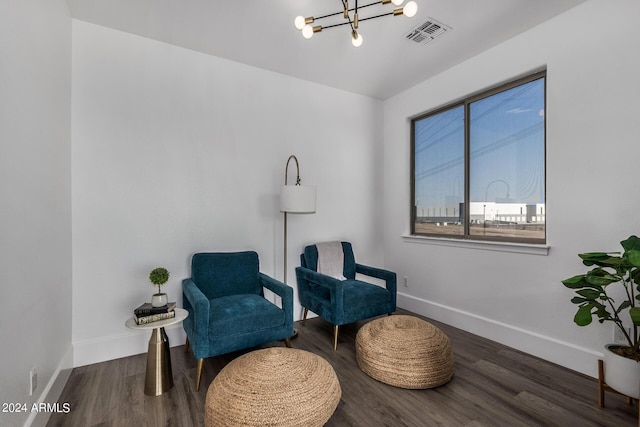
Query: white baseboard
[(87, 352), (52, 391), (564, 354)]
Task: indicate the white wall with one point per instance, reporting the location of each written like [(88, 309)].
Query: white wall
[(176, 152), (593, 102), (35, 212)]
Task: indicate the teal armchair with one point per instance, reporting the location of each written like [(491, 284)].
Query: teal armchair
[(343, 301), (227, 308)]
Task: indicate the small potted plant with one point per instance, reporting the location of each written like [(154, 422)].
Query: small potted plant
[(594, 299), (159, 277)]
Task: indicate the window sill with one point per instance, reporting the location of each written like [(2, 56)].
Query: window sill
[(520, 248)]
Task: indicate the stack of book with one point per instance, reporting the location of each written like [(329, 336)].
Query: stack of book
[(147, 313)]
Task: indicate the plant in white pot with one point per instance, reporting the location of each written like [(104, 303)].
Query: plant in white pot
[(158, 277), (594, 299)]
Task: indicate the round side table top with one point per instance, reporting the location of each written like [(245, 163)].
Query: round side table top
[(181, 314)]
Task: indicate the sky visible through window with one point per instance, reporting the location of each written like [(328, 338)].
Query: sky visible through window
[(502, 148), (506, 152), (507, 145)]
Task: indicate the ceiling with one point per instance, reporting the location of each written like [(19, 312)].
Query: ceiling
[(261, 33)]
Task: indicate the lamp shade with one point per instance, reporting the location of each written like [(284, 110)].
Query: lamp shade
[(297, 199)]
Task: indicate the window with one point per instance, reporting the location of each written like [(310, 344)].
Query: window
[(486, 153)]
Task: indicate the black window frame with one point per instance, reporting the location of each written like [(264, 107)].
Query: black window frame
[(466, 103)]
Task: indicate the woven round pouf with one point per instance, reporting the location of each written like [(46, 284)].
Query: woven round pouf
[(273, 387), (404, 351)]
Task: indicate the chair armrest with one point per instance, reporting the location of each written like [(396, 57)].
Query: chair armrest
[(284, 291), (313, 278), (378, 273), (197, 304), (277, 287), (388, 276)]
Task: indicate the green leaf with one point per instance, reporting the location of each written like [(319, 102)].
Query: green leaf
[(575, 282), (603, 314), (600, 258), (595, 256), (600, 306), (632, 243), (601, 280), (579, 300), (634, 312), (583, 316), (589, 293), (159, 276), (598, 271), (625, 304), (633, 256)]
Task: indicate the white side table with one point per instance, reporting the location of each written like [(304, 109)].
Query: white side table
[(159, 377)]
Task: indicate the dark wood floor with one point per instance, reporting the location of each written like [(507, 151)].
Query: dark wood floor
[(493, 385)]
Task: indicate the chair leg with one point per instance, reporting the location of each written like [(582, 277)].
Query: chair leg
[(335, 337), (199, 373), (304, 315), (601, 383), (287, 342)]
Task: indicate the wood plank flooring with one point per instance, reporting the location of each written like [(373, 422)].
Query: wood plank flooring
[(493, 385)]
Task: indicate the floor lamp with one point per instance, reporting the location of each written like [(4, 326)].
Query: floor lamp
[(296, 199)]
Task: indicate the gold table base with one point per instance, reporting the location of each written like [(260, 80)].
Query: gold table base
[(159, 377)]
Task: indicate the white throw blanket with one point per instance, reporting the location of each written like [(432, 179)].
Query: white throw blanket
[(331, 259)]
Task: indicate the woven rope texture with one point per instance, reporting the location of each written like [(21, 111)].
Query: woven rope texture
[(273, 387), (404, 351)]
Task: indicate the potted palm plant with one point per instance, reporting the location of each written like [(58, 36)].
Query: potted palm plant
[(158, 277), (613, 274)]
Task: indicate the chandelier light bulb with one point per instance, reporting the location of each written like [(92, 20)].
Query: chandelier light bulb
[(307, 31), (305, 25), (299, 22), (410, 9), (356, 39)]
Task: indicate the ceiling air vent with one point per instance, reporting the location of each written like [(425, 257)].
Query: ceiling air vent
[(427, 31)]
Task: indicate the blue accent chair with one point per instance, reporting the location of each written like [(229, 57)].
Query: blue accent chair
[(227, 308), (342, 302)]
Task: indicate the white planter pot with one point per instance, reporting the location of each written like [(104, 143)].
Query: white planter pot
[(621, 374), (159, 300)]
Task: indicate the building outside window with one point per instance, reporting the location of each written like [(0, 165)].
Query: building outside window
[(486, 153)]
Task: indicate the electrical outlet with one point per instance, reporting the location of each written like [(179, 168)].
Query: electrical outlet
[(33, 381), (618, 336), (406, 282)]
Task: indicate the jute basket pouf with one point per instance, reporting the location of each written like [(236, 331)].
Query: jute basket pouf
[(273, 387), (404, 351)]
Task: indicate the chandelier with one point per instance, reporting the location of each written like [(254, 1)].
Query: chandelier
[(304, 24)]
